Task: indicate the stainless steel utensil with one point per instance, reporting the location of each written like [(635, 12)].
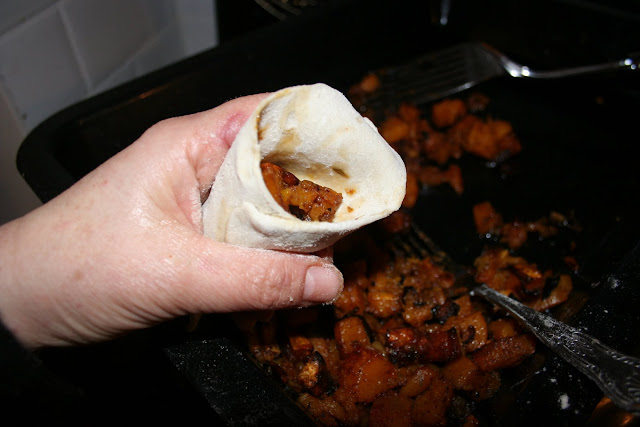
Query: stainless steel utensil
[(616, 374), (283, 9), (444, 72)]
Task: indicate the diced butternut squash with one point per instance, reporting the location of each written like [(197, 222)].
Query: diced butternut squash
[(430, 408), (351, 301), (390, 410), (351, 335), (502, 328), (394, 129), (504, 353), (446, 112), (419, 381), (366, 374)]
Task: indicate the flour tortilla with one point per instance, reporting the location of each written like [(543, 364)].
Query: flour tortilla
[(313, 132)]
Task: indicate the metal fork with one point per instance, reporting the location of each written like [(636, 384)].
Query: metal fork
[(284, 9), (616, 374), (444, 72)]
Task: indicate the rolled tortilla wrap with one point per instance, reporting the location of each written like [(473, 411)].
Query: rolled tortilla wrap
[(313, 132)]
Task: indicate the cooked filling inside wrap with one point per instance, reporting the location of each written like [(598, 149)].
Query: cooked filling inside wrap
[(304, 199)]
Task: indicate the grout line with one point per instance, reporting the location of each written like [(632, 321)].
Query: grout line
[(130, 61), (84, 72), (31, 19), (28, 20), (5, 93), (28, 17)]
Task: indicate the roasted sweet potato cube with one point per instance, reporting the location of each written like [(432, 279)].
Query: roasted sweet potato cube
[(433, 175), (383, 303), (419, 304), (409, 112), (326, 410), (509, 145), (500, 128), (446, 112), (460, 373), (328, 349), (486, 219), (351, 334), (354, 412), (463, 374), (470, 421), (465, 307), (445, 311), (394, 129), (419, 381), (301, 347), (481, 141), (407, 345), (390, 410), (441, 346), (472, 329), (492, 140), (438, 148), (430, 408), (370, 83), (413, 190), (459, 132), (366, 374), (417, 315), (453, 176), (504, 353), (383, 326), (314, 376), (502, 328), (515, 234), (558, 295), (352, 300), (403, 344)]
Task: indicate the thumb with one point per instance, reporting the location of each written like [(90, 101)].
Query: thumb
[(222, 278)]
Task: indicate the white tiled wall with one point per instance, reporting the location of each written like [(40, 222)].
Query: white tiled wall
[(56, 52)]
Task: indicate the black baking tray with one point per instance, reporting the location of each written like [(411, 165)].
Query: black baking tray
[(580, 153)]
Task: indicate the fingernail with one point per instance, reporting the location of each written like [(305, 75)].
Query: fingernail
[(322, 284)]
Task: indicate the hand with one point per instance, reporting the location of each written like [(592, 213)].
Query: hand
[(123, 248)]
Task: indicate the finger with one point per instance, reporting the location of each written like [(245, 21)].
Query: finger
[(177, 159), (326, 254), (223, 278), (205, 137), (218, 130)]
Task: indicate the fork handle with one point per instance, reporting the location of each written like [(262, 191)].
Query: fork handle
[(631, 62), (616, 374)]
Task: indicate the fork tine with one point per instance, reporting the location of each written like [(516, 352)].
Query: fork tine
[(415, 243), (435, 75), (419, 249), (399, 248), (428, 246), (435, 81)]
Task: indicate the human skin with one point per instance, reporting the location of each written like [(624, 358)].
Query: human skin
[(123, 249)]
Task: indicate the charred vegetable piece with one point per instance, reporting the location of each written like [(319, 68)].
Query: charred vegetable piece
[(504, 353), (304, 199), (366, 373)]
